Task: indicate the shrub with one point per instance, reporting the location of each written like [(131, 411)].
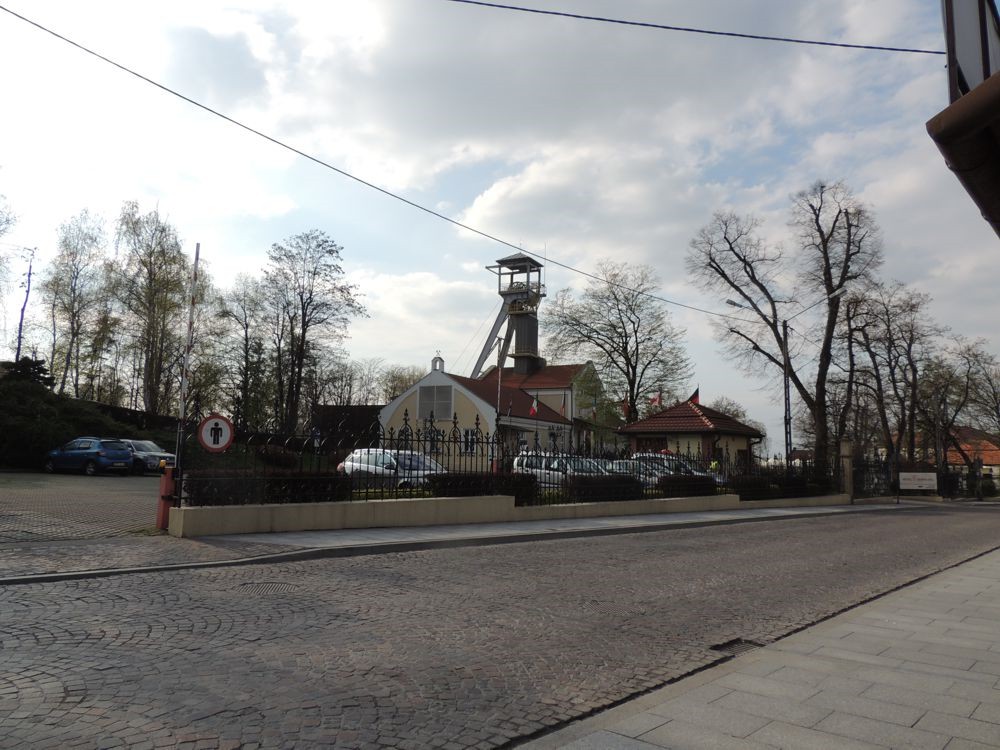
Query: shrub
[(241, 487), (276, 455), (33, 421), (989, 487), (751, 487), (524, 487), (598, 489), (457, 484), (679, 485)]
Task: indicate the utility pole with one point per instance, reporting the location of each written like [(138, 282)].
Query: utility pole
[(788, 398)]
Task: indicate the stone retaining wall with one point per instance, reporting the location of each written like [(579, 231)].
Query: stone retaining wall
[(440, 511)]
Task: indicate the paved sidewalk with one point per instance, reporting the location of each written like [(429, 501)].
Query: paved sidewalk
[(60, 560), (918, 668)]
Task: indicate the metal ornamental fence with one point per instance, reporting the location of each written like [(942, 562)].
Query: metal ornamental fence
[(350, 465)]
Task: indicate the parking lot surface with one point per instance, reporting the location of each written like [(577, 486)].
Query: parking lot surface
[(74, 506), (457, 648)]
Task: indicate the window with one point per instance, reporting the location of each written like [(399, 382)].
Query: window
[(436, 400), (469, 441)]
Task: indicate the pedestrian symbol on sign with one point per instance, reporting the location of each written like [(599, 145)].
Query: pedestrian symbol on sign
[(215, 433)]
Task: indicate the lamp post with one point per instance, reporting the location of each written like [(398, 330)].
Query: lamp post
[(785, 364)]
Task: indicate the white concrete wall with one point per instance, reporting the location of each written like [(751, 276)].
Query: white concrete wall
[(439, 511)]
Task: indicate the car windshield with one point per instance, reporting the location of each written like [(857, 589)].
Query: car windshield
[(115, 445), (582, 465), (633, 467), (146, 446), (417, 462)]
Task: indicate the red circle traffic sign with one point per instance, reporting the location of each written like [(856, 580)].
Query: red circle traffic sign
[(216, 433)]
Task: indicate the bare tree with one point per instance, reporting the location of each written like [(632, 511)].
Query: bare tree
[(621, 326), (945, 392), (313, 300), (986, 396), (397, 378), (249, 385), (29, 256), (894, 336), (837, 243), (7, 221), (366, 376)]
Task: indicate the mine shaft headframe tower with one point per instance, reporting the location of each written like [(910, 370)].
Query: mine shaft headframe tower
[(519, 284)]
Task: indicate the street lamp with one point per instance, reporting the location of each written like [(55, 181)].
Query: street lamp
[(785, 365)]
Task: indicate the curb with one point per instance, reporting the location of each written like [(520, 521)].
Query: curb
[(360, 550)]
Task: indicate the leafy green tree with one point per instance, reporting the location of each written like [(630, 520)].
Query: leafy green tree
[(151, 289)]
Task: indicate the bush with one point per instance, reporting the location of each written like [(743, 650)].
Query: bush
[(242, 487), (33, 421), (524, 487), (461, 484), (989, 487), (276, 455), (601, 489), (679, 485)]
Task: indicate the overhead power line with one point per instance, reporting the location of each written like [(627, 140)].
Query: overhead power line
[(344, 173), (691, 30)]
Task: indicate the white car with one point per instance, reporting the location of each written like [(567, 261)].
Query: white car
[(381, 467)]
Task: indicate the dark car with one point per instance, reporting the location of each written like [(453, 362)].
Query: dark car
[(91, 455), (146, 455)]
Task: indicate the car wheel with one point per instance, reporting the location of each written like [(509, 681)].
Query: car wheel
[(90, 468), (50, 466)]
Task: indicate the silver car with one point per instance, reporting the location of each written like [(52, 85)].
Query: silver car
[(552, 468), (380, 467), (147, 455)]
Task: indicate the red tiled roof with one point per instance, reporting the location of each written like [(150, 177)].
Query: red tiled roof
[(550, 376), (976, 444), (513, 399), (690, 417)]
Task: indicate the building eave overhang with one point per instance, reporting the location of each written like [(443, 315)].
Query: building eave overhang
[(967, 133)]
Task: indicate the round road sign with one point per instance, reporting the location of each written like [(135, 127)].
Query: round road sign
[(215, 433)]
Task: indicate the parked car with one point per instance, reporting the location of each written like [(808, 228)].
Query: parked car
[(91, 455), (381, 467), (146, 455), (670, 463), (552, 468), (646, 473)]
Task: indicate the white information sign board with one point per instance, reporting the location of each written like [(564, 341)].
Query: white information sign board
[(918, 480)]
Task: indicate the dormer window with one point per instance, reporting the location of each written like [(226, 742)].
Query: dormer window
[(436, 400)]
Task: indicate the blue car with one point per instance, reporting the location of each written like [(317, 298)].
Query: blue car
[(90, 455)]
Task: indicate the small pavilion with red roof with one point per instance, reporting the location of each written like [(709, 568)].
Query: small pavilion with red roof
[(688, 428)]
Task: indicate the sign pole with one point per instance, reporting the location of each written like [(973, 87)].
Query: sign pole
[(187, 362)]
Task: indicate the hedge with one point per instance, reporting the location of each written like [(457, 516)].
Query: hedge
[(681, 485), (242, 487)]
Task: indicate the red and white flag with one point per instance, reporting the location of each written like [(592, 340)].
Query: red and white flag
[(534, 407), (656, 400)]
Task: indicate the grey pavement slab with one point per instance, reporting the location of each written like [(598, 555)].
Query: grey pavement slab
[(459, 532), (869, 677)]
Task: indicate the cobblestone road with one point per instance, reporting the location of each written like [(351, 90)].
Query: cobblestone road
[(458, 648)]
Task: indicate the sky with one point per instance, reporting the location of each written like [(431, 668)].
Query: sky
[(576, 140)]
